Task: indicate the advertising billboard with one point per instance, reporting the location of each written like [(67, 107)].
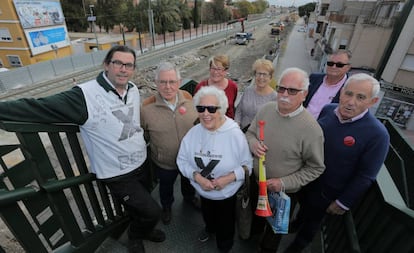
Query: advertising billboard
[(43, 24)]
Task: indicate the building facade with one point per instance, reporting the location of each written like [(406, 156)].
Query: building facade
[(367, 29), (31, 32)]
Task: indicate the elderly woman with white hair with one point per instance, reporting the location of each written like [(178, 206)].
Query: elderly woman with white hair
[(212, 155)]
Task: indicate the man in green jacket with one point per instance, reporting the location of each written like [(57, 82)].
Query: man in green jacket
[(107, 111)]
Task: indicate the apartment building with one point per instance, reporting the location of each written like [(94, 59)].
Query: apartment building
[(380, 35), (31, 32)]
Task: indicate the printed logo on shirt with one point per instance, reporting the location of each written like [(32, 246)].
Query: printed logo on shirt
[(129, 128)]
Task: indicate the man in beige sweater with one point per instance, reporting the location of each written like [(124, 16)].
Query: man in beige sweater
[(166, 117), (293, 144)]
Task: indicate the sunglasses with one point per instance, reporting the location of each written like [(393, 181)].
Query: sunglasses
[(210, 108), (290, 91), (338, 64)]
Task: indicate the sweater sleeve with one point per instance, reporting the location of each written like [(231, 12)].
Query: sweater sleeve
[(66, 107)]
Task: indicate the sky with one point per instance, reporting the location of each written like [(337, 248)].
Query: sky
[(289, 2)]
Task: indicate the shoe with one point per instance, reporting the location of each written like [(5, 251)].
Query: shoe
[(155, 235), (195, 202), (135, 246), (204, 236), (166, 215)]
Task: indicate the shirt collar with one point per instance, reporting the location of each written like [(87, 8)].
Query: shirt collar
[(359, 116), (171, 106), (292, 114)]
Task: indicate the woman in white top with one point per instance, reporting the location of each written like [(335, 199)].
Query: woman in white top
[(212, 155)]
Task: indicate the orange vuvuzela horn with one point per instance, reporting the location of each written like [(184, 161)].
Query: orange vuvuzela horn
[(263, 206)]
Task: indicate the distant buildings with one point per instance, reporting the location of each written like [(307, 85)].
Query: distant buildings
[(31, 32), (368, 29)]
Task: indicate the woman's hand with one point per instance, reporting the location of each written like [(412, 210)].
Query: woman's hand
[(221, 182), (205, 184)]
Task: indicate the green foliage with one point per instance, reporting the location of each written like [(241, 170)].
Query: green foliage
[(166, 15), (245, 8), (306, 9), (75, 15)]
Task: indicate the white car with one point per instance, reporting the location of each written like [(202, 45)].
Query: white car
[(302, 29)]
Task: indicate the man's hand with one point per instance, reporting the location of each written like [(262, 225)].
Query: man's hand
[(259, 149), (274, 184), (334, 208)]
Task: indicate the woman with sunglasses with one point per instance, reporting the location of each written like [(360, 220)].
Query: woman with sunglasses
[(255, 96), (212, 155), (219, 66)]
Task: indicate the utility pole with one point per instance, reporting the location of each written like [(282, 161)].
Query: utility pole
[(92, 19), (151, 23)]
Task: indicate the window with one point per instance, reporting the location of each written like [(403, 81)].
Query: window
[(14, 60), (408, 63), (5, 35)]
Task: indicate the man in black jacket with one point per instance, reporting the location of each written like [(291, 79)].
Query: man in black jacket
[(325, 88)]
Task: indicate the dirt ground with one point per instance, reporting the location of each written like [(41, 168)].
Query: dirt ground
[(194, 64)]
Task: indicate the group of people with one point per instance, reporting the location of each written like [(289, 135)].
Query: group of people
[(324, 155)]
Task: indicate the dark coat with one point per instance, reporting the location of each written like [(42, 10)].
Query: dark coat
[(315, 80)]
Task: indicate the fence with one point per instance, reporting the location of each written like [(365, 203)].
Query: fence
[(44, 71)]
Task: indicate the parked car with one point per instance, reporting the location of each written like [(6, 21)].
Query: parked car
[(243, 38), (302, 29)]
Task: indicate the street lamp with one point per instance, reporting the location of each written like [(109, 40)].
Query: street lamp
[(92, 19), (151, 23)]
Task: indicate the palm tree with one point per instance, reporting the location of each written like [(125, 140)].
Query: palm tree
[(166, 15)]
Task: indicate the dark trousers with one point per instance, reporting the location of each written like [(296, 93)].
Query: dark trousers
[(132, 191), (313, 205), (166, 186), (269, 241), (219, 217)]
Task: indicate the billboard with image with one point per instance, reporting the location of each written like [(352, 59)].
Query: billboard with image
[(43, 24)]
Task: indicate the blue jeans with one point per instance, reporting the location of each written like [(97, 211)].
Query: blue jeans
[(166, 186), (131, 190)]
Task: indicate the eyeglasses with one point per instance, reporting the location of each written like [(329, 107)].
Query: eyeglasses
[(290, 91), (210, 108), (217, 69), (338, 64), (165, 82), (118, 64), (259, 74)]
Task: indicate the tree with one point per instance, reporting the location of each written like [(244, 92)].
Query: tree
[(306, 9), (185, 13), (245, 8), (166, 16), (75, 15), (109, 13)]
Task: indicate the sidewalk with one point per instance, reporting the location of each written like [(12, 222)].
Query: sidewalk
[(295, 52)]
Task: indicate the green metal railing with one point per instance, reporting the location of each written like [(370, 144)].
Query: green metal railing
[(48, 198)]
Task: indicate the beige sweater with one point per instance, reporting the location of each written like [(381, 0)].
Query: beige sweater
[(164, 128), (295, 146)]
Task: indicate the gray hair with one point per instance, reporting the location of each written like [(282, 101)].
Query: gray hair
[(305, 77), (342, 51), (362, 77), (212, 91), (167, 66)]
